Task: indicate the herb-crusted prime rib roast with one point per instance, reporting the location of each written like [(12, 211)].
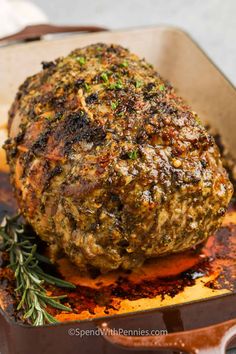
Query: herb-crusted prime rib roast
[(109, 165)]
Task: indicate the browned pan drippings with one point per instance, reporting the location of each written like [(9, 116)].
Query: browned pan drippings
[(179, 278)]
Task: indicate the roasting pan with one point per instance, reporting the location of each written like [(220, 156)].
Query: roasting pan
[(191, 296)]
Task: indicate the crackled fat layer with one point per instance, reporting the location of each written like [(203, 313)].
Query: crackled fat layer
[(109, 165)]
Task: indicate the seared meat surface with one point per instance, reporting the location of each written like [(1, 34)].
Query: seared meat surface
[(109, 165)]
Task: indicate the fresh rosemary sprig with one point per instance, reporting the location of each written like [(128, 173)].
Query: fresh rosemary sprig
[(29, 276)]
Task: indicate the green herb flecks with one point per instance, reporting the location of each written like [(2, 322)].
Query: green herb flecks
[(138, 83), (114, 105), (87, 87), (81, 60), (161, 87), (104, 77), (133, 155), (25, 261), (116, 85), (124, 64)]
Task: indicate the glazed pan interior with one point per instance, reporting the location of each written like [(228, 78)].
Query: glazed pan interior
[(195, 275)]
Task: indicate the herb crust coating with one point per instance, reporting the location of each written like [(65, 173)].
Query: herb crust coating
[(109, 165)]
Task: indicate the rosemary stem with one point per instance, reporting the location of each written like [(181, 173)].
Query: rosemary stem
[(25, 262)]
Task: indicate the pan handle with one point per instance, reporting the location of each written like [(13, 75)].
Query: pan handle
[(207, 340), (36, 31)]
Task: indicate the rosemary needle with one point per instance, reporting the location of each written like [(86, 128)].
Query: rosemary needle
[(29, 276)]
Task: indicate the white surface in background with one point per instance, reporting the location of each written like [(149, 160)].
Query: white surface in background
[(212, 23), (15, 15)]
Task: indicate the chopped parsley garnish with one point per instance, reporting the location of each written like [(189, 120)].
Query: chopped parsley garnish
[(87, 87), (104, 77), (133, 155), (138, 83), (81, 60), (161, 87), (116, 85), (114, 105), (124, 64), (119, 84)]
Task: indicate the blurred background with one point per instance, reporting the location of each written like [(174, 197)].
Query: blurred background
[(211, 23)]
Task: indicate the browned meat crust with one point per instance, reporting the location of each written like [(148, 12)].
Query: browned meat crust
[(109, 164)]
